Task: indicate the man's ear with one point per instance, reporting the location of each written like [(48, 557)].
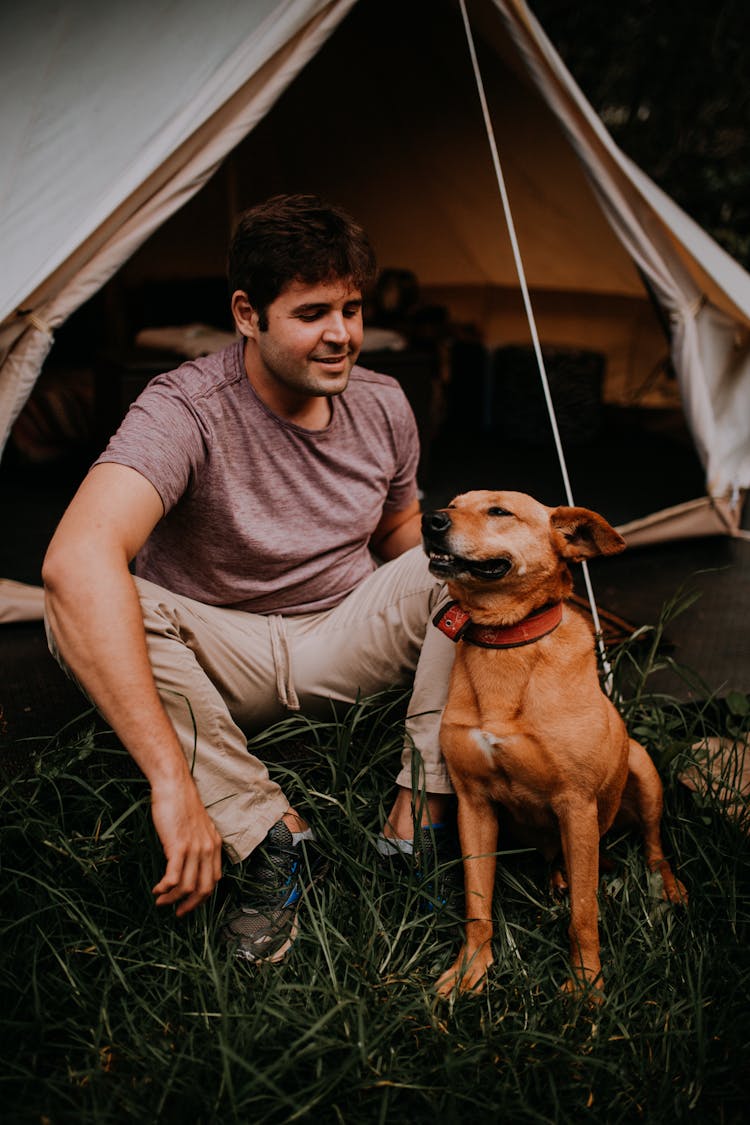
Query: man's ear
[(245, 316), (579, 534)]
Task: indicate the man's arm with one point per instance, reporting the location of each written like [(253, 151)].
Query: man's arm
[(397, 532), (94, 613)]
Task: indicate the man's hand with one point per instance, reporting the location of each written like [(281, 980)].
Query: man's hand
[(191, 844)]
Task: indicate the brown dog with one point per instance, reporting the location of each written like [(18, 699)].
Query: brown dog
[(527, 728)]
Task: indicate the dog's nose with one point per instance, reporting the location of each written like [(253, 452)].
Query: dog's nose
[(435, 523)]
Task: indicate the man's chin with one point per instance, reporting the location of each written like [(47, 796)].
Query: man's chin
[(331, 379)]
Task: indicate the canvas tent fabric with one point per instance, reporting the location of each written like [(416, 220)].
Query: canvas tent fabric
[(113, 117), (107, 131)]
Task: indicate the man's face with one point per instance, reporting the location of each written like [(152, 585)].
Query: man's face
[(312, 341)]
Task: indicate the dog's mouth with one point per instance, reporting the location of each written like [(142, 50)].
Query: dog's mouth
[(444, 565)]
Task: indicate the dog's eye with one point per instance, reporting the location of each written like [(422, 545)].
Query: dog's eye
[(498, 512)]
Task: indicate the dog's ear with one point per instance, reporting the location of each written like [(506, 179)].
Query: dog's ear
[(579, 534)]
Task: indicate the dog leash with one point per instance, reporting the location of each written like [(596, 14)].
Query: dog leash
[(606, 666)]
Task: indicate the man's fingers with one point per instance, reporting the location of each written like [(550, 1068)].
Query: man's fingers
[(191, 845), (191, 902), (171, 877), (189, 882)]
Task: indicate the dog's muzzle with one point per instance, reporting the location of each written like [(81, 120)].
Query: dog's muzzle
[(445, 564)]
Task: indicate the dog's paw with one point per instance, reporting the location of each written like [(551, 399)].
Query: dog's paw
[(677, 893), (589, 991), (558, 884), (671, 889), (446, 984), (468, 973)]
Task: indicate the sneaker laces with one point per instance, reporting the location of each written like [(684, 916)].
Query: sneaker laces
[(271, 875)]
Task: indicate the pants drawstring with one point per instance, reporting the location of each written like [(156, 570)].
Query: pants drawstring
[(282, 659)]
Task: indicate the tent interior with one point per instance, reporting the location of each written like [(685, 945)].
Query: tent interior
[(385, 120)]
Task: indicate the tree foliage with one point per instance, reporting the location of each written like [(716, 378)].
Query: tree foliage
[(672, 84)]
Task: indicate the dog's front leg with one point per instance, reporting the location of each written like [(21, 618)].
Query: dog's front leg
[(579, 831), (478, 830)]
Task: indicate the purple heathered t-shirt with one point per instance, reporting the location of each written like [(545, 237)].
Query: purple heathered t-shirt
[(260, 514)]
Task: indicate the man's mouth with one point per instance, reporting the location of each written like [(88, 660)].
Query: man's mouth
[(331, 360), (444, 565)]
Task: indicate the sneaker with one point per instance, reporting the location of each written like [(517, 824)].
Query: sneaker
[(273, 880), (435, 857)]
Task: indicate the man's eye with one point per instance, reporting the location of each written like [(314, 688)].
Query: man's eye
[(352, 311), (309, 316)]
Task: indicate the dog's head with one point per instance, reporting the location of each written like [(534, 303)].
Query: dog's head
[(484, 539)]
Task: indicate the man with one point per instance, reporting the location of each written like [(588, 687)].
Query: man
[(251, 488)]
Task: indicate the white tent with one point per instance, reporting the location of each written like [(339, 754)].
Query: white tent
[(113, 117)]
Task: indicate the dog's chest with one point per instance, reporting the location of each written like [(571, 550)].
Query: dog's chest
[(524, 779), (529, 724), (515, 769)]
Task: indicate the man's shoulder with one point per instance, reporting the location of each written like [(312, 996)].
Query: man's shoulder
[(378, 401), (364, 378), (201, 378)]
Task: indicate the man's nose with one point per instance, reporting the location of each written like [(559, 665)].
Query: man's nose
[(336, 329)]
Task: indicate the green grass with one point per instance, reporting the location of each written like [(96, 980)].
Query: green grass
[(113, 1011)]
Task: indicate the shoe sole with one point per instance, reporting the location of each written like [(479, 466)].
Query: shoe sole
[(252, 958)]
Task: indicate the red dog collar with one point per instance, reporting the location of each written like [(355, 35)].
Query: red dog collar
[(457, 624)]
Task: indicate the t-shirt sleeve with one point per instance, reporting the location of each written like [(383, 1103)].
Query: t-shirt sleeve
[(162, 437), (403, 487)]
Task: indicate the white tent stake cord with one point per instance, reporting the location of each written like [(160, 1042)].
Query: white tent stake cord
[(534, 334)]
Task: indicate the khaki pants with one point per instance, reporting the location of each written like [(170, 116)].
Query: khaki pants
[(224, 674)]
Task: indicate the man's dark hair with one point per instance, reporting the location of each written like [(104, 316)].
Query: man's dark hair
[(296, 238)]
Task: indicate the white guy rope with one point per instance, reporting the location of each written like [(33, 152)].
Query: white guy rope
[(533, 329)]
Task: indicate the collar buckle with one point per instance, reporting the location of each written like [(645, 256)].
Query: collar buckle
[(452, 620)]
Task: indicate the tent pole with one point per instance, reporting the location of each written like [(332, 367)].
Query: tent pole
[(533, 329)]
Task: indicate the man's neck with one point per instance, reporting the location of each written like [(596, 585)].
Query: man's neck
[(311, 412)]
